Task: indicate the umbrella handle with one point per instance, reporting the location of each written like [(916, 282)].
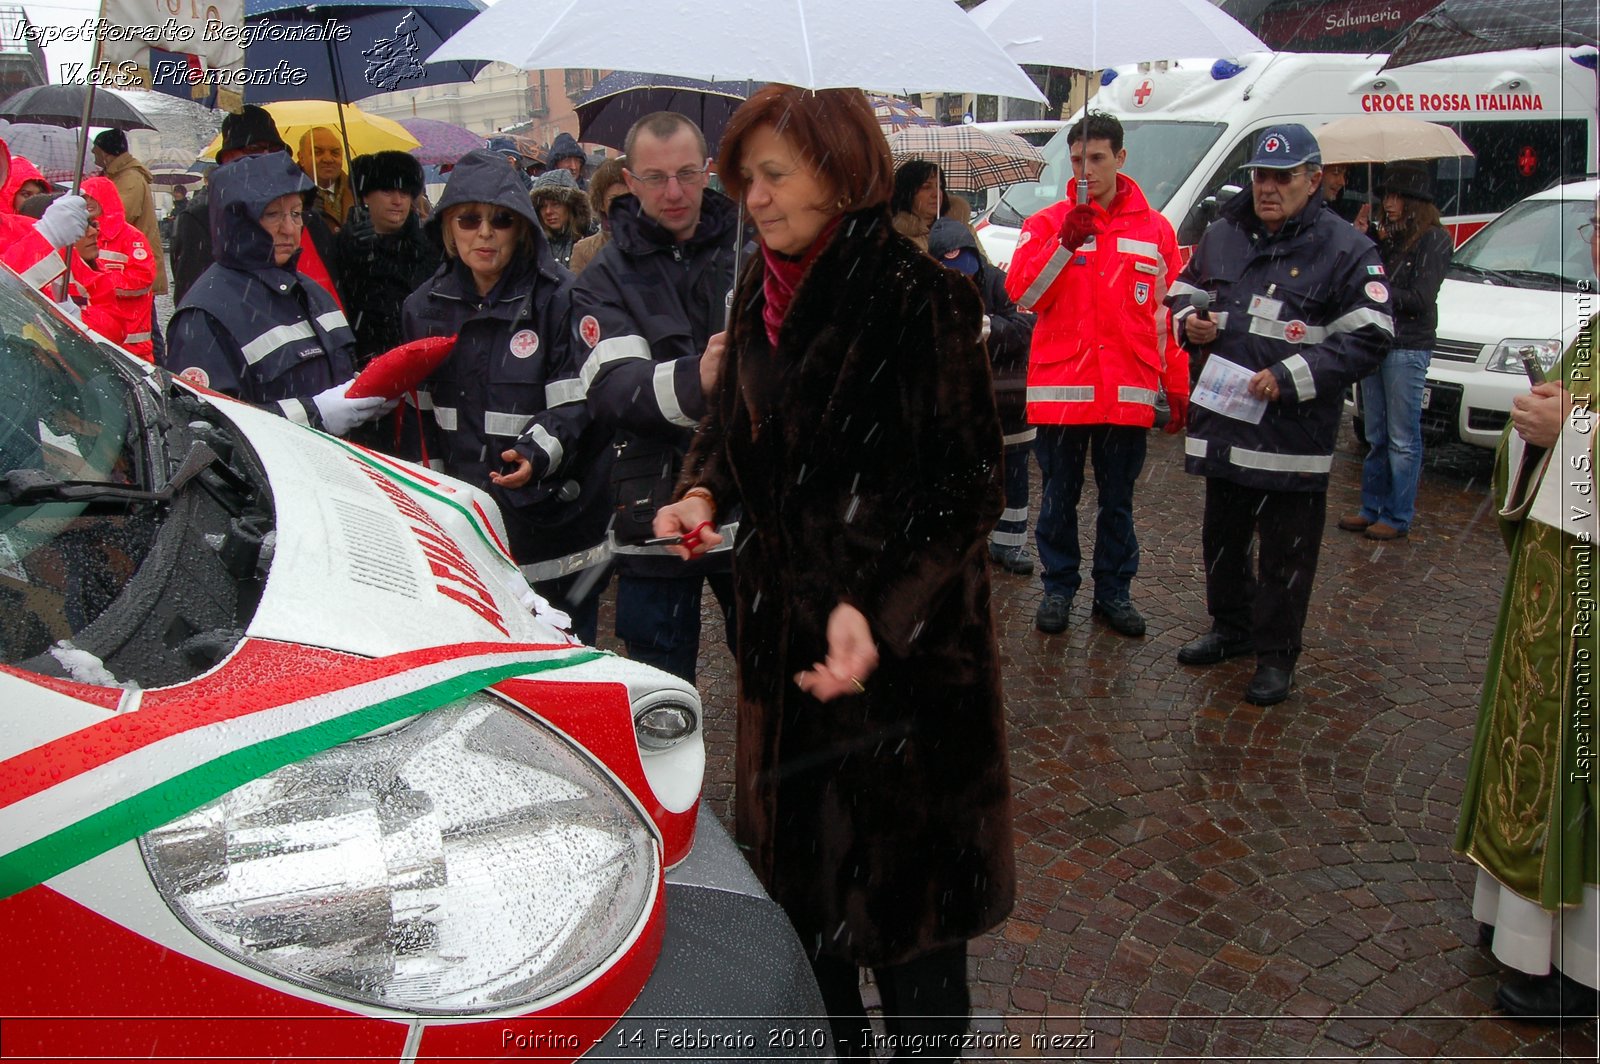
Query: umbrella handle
[(83, 146)]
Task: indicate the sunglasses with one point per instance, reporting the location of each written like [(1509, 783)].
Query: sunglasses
[(1263, 176), (471, 221)]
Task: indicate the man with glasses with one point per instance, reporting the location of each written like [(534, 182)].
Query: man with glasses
[(1282, 307), (648, 315), (253, 326)]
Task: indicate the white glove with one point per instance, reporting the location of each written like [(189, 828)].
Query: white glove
[(65, 221), (984, 333), (340, 415), (70, 309)]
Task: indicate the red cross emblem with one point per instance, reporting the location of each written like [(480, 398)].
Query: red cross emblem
[(1527, 161), (1272, 145), (1295, 331), (1142, 93)]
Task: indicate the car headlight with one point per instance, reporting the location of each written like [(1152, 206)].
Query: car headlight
[(662, 721), (468, 860), (1507, 357)]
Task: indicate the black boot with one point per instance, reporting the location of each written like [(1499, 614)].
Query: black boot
[(1552, 998)]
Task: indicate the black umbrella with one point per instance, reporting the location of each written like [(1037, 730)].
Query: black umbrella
[(1464, 27), (607, 111), (63, 105)]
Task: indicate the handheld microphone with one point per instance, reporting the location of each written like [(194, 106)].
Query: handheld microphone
[(1201, 302), (569, 490)]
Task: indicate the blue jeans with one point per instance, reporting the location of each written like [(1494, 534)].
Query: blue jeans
[(1391, 409), (658, 618), (1117, 452)]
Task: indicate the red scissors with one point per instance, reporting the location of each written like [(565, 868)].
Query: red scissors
[(691, 539)]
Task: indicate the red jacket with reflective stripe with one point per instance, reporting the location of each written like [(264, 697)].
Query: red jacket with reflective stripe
[(124, 256), (1101, 345)]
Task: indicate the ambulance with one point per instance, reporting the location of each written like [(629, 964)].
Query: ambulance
[(1190, 124), (295, 766)]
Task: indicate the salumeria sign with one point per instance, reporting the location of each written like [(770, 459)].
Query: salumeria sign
[(1451, 101)]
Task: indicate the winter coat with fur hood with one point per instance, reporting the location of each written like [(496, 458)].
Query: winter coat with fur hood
[(580, 213), (866, 453)]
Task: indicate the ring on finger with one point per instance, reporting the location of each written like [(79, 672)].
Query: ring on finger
[(855, 681)]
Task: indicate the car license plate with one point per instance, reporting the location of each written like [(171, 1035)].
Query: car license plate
[(1427, 397)]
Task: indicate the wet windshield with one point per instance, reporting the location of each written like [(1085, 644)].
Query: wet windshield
[(1535, 244), (65, 416), (1161, 156)]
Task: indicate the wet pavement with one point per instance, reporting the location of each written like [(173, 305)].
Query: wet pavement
[(1203, 879)]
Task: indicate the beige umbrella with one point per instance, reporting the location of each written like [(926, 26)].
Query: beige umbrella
[(1387, 138)]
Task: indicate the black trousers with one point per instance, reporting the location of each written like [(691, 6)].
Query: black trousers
[(1268, 603), (925, 1006)]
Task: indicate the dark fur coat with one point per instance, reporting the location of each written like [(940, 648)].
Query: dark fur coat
[(867, 452)]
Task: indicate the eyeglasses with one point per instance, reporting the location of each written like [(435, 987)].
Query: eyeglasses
[(1263, 176), (274, 218), (688, 177), (472, 221), (1589, 229)]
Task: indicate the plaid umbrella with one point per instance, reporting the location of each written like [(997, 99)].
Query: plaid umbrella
[(1464, 27), (971, 159), (55, 150), (894, 113)]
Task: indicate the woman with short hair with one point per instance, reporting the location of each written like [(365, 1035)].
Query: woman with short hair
[(853, 421)]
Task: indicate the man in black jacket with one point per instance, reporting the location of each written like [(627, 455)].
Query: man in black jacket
[(648, 316), (1297, 309)]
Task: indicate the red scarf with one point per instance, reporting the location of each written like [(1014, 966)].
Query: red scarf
[(783, 276)]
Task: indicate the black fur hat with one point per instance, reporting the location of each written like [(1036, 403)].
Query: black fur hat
[(386, 170)]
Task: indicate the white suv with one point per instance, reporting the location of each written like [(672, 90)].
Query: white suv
[(1525, 280)]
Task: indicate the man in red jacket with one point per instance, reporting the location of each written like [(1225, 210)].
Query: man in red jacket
[(1096, 273), (126, 258)]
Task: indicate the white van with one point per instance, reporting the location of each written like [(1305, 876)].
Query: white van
[(1190, 124)]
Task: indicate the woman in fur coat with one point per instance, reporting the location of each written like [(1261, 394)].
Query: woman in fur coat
[(854, 422)]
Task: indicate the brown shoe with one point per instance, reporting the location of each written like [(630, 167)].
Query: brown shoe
[(1383, 531), (1354, 523)]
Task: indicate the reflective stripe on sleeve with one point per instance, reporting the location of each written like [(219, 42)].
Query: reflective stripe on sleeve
[(1359, 317), (333, 319), (446, 417), (540, 438), (560, 393), (1047, 277), (295, 410), (112, 256), (1078, 394), (615, 349), (667, 395), (272, 339), (45, 270), (1026, 436), (1305, 387), (1129, 394)]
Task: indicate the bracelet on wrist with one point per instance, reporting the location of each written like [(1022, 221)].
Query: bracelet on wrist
[(702, 493)]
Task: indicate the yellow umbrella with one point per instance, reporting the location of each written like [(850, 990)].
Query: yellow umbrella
[(368, 133)]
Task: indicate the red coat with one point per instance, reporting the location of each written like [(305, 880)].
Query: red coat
[(1101, 344), (126, 259)]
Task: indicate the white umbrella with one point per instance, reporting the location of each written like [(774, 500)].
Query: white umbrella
[(897, 46), (1386, 139), (1095, 34)]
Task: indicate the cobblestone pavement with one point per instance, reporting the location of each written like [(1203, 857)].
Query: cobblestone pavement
[(1204, 879)]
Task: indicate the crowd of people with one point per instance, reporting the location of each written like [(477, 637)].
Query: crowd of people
[(826, 415)]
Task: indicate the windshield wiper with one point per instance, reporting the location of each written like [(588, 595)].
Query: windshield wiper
[(1542, 275), (1494, 276), (21, 487)]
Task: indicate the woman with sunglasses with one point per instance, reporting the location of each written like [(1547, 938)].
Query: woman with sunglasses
[(854, 422), (482, 415)]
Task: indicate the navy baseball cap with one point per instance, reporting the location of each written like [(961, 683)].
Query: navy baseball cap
[(1285, 147)]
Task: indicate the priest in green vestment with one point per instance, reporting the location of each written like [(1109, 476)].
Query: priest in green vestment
[(1528, 814)]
